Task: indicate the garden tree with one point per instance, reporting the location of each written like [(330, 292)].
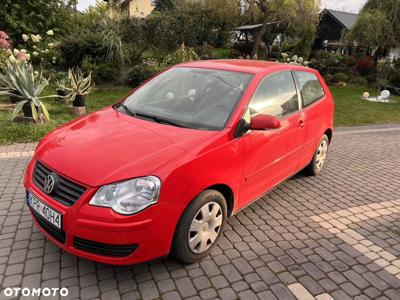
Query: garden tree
[(193, 23), (163, 5), (34, 16), (301, 34), (298, 22), (224, 15), (378, 25)]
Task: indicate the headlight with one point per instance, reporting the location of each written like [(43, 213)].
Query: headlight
[(128, 197)]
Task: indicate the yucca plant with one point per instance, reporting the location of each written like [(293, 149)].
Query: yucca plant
[(21, 81), (79, 87), (183, 54)]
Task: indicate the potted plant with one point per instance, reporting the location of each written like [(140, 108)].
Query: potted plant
[(79, 87), (21, 81), (61, 90)]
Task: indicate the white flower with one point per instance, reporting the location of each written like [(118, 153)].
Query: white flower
[(300, 60), (16, 51), (23, 51), (28, 56), (50, 32), (34, 47), (25, 37), (51, 45), (35, 53), (36, 73), (284, 55), (9, 52), (294, 58), (12, 59), (36, 38), (46, 51)]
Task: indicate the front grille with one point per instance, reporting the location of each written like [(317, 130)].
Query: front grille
[(104, 249), (65, 191), (56, 233)]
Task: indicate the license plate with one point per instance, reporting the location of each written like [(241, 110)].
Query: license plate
[(45, 211)]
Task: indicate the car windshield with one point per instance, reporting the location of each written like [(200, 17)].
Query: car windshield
[(189, 97)]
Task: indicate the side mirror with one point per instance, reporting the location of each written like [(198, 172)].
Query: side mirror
[(263, 122)]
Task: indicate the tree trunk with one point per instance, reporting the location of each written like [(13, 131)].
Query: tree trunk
[(259, 36)]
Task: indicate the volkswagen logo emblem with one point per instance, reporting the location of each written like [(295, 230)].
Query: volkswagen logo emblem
[(49, 183)]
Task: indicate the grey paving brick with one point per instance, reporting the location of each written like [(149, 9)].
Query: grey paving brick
[(148, 290), (266, 247), (185, 287)]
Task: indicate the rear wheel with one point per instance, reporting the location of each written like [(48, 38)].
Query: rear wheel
[(199, 227), (319, 158)]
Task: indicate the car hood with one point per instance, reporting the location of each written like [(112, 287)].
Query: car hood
[(108, 146)]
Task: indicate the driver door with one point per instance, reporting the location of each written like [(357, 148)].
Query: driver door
[(271, 156)]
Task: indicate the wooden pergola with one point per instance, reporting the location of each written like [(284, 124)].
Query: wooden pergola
[(245, 39)]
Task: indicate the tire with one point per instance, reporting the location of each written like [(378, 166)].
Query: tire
[(192, 227), (316, 165)]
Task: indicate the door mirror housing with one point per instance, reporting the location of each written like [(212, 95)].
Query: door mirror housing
[(263, 122)]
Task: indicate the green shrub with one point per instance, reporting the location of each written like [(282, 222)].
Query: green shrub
[(140, 73), (221, 53), (360, 80), (365, 65), (323, 61), (329, 79), (75, 48), (394, 76), (183, 54), (341, 77), (102, 72)]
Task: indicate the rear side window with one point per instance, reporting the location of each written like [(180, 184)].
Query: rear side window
[(276, 95), (310, 87)]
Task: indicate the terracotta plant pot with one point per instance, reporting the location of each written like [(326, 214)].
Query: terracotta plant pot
[(79, 101)]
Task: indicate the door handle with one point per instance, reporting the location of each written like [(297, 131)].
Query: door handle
[(301, 124)]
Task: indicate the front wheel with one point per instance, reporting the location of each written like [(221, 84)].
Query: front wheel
[(200, 227), (319, 158)]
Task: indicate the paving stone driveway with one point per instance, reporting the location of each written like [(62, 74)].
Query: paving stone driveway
[(326, 237)]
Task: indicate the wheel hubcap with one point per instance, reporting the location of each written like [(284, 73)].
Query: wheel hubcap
[(205, 227), (322, 153)]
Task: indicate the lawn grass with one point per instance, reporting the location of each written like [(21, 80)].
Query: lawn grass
[(11, 132), (350, 111)]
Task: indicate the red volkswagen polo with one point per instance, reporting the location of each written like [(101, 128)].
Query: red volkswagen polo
[(162, 170)]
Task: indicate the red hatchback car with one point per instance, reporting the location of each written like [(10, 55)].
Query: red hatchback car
[(162, 170)]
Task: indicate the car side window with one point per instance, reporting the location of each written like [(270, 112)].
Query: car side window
[(310, 87), (276, 95)]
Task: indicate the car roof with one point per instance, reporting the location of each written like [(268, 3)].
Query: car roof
[(238, 65)]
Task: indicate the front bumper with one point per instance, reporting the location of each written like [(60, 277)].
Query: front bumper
[(95, 233)]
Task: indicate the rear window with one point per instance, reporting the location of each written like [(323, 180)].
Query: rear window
[(310, 87)]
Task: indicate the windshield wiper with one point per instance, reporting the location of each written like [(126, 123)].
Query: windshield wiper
[(150, 117), (160, 120), (128, 110)]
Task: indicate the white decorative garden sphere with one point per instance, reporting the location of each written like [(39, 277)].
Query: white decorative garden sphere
[(365, 95), (385, 94)]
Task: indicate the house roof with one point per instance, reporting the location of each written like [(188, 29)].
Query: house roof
[(248, 27), (347, 19)]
